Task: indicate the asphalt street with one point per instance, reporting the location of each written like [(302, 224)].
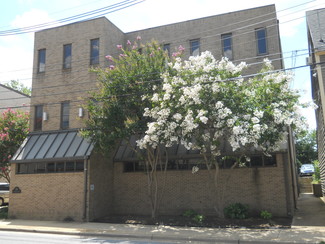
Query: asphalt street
[(11, 237)]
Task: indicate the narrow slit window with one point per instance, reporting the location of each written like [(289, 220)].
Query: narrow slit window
[(167, 48), (226, 40), (38, 117), (195, 47), (261, 41), (41, 60), (65, 110), (67, 55), (94, 51)]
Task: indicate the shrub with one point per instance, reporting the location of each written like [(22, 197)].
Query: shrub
[(189, 213), (199, 218), (265, 214), (236, 211), (316, 175)]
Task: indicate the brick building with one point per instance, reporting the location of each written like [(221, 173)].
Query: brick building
[(316, 40), (60, 175)]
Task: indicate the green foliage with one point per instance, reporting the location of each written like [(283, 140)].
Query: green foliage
[(316, 175), (189, 213), (236, 211), (265, 214), (198, 218), (14, 84), (14, 127), (116, 111), (306, 147)]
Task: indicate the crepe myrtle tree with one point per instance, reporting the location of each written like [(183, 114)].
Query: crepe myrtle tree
[(116, 110), (206, 102), (14, 128)]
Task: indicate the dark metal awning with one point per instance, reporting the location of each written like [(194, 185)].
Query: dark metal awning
[(50, 146), (128, 151)]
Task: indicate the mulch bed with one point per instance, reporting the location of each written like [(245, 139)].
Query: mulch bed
[(209, 221)]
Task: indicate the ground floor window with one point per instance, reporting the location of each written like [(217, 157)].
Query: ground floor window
[(225, 162), (50, 167), (249, 162)]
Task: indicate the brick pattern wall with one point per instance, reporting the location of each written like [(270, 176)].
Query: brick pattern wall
[(321, 133), (100, 178), (319, 118), (56, 196), (208, 30), (47, 196), (57, 85), (260, 188), (321, 144)]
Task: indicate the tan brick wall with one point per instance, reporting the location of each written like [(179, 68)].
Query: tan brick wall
[(116, 192), (241, 24), (56, 85), (260, 188), (101, 179), (47, 196)]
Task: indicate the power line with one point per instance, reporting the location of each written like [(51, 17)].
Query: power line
[(137, 94), (236, 23), (91, 81), (80, 17), (94, 81)]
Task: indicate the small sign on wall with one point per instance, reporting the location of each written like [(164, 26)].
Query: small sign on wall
[(16, 190), (92, 187)]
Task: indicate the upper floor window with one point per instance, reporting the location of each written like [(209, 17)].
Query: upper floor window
[(167, 48), (261, 41), (94, 51), (67, 52), (226, 40), (38, 117), (41, 60), (65, 110), (195, 47)]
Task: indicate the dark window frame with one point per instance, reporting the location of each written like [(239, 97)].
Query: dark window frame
[(225, 46), (94, 52), (67, 56), (195, 48), (261, 42), (65, 115), (166, 47), (188, 164), (38, 117), (43, 167), (41, 61)]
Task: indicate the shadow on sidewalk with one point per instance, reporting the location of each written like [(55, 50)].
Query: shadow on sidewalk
[(310, 211)]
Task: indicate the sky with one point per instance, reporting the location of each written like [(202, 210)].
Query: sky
[(16, 51)]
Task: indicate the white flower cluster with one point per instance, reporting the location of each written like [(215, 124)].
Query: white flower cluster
[(199, 110)]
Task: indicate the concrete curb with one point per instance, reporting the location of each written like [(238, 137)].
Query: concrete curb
[(266, 236)]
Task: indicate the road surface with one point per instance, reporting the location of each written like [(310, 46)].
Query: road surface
[(13, 237)]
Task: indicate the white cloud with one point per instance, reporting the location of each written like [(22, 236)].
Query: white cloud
[(32, 18), (17, 50)]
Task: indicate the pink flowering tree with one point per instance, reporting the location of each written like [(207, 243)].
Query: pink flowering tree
[(14, 127), (126, 87)]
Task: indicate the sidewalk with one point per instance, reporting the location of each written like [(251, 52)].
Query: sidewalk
[(308, 227)]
